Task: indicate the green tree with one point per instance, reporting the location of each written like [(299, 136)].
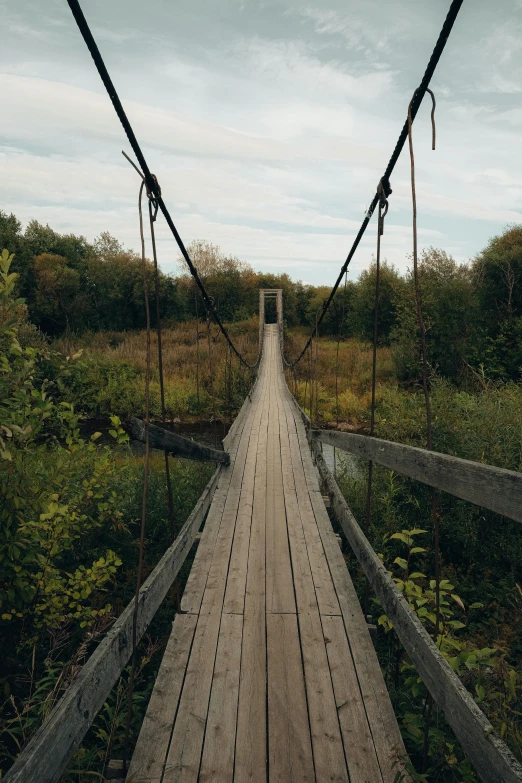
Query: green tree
[(56, 296), (449, 308), (497, 276), (362, 311), (55, 490)]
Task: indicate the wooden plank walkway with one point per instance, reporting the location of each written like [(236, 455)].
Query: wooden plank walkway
[(270, 673)]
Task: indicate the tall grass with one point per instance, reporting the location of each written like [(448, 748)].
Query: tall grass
[(109, 376), (340, 376)]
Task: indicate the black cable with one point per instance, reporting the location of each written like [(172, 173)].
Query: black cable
[(151, 182), (385, 179), (153, 187)]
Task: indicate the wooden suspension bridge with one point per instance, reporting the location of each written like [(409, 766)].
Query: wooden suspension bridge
[(270, 673)]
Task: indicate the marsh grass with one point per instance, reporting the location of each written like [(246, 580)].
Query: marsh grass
[(109, 376), (347, 367)]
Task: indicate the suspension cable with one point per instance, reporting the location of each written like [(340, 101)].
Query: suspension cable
[(211, 379), (153, 186), (150, 180), (415, 103), (170, 501), (424, 357)]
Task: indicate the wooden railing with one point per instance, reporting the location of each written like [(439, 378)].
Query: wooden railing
[(45, 757), (177, 445), (494, 488), (497, 489)]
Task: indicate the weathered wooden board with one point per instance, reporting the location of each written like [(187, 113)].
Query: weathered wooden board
[(361, 757), (217, 764), (491, 757), (251, 744), (184, 756), (498, 489), (386, 736), (327, 745), (289, 744), (279, 580), (160, 438), (46, 756), (151, 749)]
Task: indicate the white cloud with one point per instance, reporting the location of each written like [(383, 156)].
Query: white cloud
[(268, 143)]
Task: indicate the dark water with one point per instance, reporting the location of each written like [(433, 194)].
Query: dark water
[(338, 461)]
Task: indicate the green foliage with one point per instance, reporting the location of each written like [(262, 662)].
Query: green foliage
[(55, 487), (484, 670), (473, 313)]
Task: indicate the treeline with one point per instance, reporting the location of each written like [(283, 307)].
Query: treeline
[(473, 311)]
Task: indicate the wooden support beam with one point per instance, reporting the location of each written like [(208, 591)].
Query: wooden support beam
[(498, 489), (45, 757), (490, 756), (176, 445)]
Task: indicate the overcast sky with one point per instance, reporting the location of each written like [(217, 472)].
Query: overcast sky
[(268, 124)]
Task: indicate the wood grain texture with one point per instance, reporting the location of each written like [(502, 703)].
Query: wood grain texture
[(387, 739), (289, 742), (497, 489), (491, 757), (153, 743), (273, 702), (217, 764)]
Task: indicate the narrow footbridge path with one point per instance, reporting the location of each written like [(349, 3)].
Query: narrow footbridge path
[(270, 673)]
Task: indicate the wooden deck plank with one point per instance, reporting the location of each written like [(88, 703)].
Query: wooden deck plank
[(251, 745), (361, 756), (237, 573), (279, 581), (194, 589), (189, 729), (218, 571), (324, 587), (184, 754), (151, 749), (328, 751), (289, 744), (217, 764), (282, 682), (383, 723)]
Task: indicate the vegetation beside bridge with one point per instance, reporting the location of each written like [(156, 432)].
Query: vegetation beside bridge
[(67, 566)]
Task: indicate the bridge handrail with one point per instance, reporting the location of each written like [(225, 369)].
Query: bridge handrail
[(497, 489), (490, 756), (46, 755), (177, 445)]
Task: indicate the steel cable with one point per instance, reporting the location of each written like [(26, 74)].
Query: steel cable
[(150, 180), (385, 179)]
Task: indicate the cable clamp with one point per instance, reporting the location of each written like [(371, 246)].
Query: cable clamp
[(383, 191), (153, 194)]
